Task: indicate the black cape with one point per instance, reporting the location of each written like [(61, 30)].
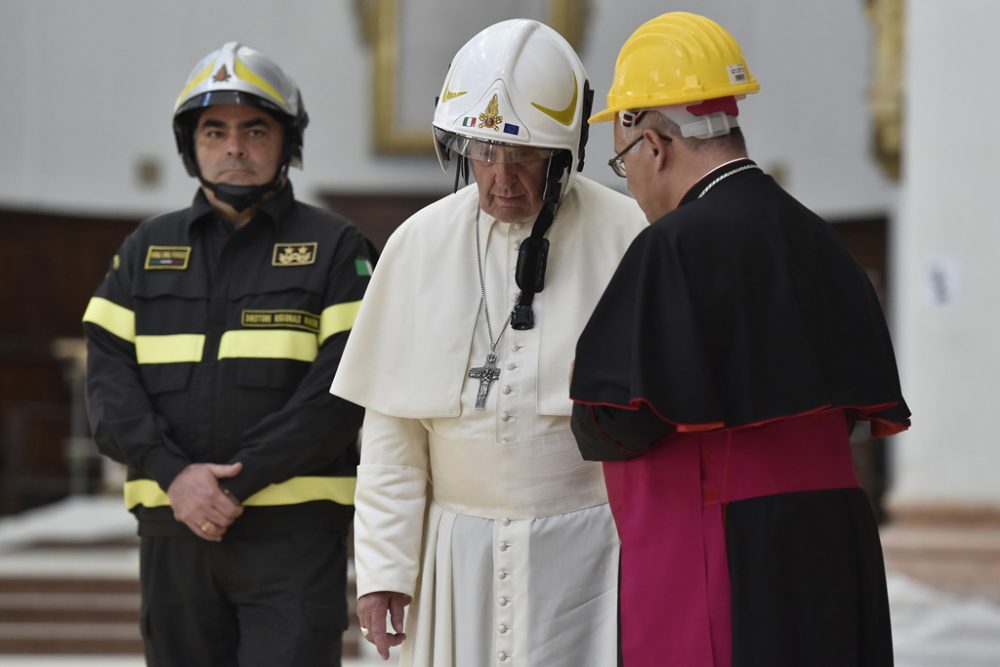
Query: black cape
[(737, 308)]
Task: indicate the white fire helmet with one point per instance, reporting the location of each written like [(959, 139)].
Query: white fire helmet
[(516, 91)]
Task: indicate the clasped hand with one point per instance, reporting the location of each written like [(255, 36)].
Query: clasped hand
[(200, 503)]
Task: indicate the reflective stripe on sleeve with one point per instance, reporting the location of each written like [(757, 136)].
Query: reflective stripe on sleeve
[(294, 491), (110, 316), (171, 349), (270, 344), (337, 318), (195, 80)]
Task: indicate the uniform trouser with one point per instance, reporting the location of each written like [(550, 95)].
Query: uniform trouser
[(247, 601)]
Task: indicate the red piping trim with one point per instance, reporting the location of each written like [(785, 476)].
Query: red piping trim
[(604, 434), (880, 427)]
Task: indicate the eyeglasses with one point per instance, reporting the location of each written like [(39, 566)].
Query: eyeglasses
[(484, 150), (617, 163)]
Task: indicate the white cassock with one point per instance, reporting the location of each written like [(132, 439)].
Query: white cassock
[(490, 518)]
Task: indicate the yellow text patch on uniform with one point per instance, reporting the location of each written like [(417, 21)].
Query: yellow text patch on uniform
[(294, 254), (286, 319), (173, 257)]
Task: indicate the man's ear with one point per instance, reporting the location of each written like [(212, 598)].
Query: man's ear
[(658, 146)]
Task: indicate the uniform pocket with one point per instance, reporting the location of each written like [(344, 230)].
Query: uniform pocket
[(324, 615), (165, 378), (320, 558), (261, 387), (276, 374)]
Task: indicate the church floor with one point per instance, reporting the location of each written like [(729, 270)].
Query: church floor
[(90, 538)]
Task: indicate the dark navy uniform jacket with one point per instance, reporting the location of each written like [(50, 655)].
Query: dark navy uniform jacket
[(212, 345)]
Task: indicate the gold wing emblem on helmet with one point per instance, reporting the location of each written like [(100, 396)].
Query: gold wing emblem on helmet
[(564, 116), (491, 118)]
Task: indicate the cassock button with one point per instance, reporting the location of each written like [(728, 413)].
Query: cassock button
[(503, 574), (506, 389), (502, 656), (506, 522), (502, 628), (503, 601), (505, 417), (504, 546)]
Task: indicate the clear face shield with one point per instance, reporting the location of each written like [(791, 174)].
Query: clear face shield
[(490, 152)]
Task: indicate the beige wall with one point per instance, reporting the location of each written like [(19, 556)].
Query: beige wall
[(947, 236), (89, 87)]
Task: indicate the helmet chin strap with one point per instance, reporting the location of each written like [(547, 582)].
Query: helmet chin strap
[(242, 197), (533, 254)]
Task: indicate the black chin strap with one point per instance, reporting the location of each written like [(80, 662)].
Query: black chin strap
[(533, 254), (461, 170), (242, 197)]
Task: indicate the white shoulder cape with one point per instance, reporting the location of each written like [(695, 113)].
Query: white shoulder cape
[(408, 352)]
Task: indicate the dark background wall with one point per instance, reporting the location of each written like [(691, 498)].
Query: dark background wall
[(51, 264)]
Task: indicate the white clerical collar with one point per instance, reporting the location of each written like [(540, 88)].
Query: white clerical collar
[(720, 166)]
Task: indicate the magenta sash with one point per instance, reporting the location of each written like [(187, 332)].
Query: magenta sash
[(669, 507)]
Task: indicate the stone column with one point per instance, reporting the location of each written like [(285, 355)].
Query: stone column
[(945, 501)]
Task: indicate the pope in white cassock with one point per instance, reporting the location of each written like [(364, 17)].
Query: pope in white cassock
[(473, 505)]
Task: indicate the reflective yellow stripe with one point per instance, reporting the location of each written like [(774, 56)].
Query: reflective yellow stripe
[(173, 349), (306, 489), (109, 315), (245, 73), (144, 492), (198, 78), (269, 344), (337, 318), (295, 491)]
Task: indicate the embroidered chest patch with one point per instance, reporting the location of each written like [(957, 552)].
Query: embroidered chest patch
[(171, 257), (292, 319), (294, 254)]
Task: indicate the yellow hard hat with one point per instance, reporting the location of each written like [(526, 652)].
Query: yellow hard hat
[(674, 59)]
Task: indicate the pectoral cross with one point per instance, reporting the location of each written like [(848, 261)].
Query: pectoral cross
[(487, 374)]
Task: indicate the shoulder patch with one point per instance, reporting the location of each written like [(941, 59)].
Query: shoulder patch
[(294, 254), (172, 257), (362, 267)]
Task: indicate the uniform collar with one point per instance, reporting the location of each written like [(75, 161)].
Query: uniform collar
[(275, 209)]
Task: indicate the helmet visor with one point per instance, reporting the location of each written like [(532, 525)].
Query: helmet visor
[(492, 152), (220, 97)]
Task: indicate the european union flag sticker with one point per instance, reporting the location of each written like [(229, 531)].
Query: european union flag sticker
[(510, 128)]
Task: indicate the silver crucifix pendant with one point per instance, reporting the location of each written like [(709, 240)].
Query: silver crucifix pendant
[(487, 374)]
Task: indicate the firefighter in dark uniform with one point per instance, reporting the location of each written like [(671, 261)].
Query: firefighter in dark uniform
[(211, 346)]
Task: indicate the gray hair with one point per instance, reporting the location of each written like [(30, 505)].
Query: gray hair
[(654, 120)]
